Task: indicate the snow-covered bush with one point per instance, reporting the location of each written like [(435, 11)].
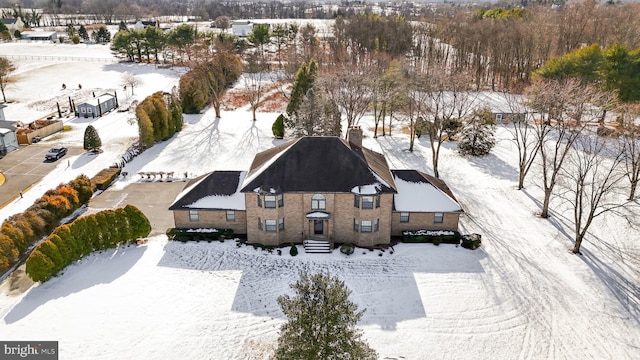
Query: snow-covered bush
[(477, 135)]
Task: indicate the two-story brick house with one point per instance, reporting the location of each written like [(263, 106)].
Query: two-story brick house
[(318, 188)]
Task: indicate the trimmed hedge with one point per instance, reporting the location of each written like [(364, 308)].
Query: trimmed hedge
[(431, 236), (105, 177), (22, 230), (71, 242), (198, 234)]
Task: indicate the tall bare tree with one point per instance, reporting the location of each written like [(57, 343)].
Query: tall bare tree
[(590, 181), (629, 142), (349, 89), (448, 101), (6, 68), (523, 134), (565, 107)]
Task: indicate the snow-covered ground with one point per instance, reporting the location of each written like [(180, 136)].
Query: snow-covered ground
[(521, 295)]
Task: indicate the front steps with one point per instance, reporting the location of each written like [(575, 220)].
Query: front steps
[(317, 246)]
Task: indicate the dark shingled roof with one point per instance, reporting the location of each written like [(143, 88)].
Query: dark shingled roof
[(215, 183), (318, 164), (420, 177)]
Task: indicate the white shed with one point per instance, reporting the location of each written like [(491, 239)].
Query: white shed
[(97, 106), (8, 140), (241, 28)]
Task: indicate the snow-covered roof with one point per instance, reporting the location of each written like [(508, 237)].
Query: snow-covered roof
[(100, 99), (417, 194), (219, 190)]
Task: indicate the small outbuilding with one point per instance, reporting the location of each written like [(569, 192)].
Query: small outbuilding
[(241, 28), (39, 35), (8, 139), (97, 106)]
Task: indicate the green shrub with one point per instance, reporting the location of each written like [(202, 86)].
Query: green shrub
[(278, 127), (347, 249), (471, 241), (294, 250)]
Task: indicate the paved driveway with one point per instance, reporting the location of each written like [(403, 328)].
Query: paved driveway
[(25, 167), (152, 198)]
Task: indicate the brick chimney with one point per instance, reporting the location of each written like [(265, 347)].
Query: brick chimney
[(354, 136)]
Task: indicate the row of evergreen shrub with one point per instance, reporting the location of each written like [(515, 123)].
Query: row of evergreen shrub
[(431, 236), (71, 242), (20, 231), (159, 118), (179, 234)]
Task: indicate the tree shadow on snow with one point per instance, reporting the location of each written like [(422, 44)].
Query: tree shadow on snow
[(384, 285), (494, 166), (96, 269)]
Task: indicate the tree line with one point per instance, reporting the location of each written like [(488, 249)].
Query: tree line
[(22, 230), (71, 242)]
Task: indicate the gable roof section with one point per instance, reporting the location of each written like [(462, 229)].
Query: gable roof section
[(217, 190), (318, 164), (419, 192)]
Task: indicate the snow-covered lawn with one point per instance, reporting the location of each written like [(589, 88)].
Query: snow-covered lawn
[(521, 295)]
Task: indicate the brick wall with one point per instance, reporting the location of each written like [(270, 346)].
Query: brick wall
[(337, 228), (423, 221), (212, 219)]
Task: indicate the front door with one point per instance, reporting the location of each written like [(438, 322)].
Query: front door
[(318, 227)]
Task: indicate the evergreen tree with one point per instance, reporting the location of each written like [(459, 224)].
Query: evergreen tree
[(304, 80), (122, 26), (321, 322), (477, 135), (102, 35), (92, 140), (278, 127), (82, 32)]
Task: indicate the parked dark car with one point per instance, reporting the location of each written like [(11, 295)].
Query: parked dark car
[(56, 153)]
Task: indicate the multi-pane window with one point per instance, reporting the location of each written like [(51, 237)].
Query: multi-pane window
[(438, 217), (231, 215), (365, 226), (318, 202), (259, 224), (270, 201), (356, 225), (404, 217), (367, 202), (376, 225), (259, 201), (377, 201), (356, 201), (280, 200), (193, 215), (281, 224), (270, 225)]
